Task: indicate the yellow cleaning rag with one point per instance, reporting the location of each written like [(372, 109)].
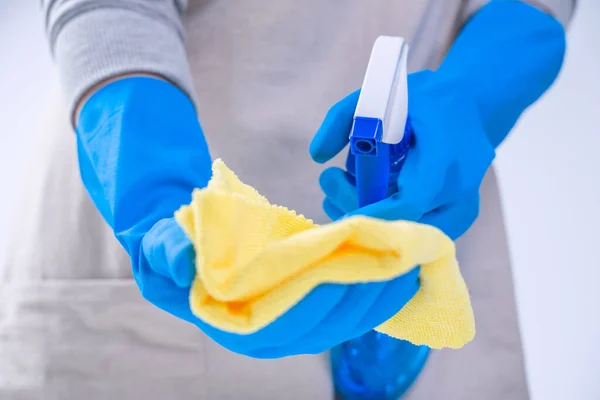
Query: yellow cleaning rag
[(255, 260)]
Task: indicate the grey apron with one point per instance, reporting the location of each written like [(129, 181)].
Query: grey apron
[(72, 322)]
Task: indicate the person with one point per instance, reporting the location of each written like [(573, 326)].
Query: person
[(95, 229)]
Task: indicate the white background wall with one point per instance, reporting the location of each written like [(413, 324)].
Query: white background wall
[(549, 173)]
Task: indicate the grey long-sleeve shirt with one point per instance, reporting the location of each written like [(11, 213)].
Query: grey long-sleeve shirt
[(92, 40)]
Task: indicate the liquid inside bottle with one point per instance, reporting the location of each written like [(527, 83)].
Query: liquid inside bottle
[(376, 367)]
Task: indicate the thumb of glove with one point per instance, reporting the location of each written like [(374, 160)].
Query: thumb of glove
[(170, 252), (332, 136)]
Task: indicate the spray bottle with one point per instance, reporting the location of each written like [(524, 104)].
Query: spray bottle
[(376, 366)]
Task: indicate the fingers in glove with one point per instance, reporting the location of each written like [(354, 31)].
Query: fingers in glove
[(162, 291), (422, 176), (339, 324), (332, 135), (455, 218), (332, 211), (419, 185), (169, 252), (338, 190), (280, 337)]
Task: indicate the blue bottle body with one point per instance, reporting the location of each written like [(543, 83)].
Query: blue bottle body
[(375, 366)]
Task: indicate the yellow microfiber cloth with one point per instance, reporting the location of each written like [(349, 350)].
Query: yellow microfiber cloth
[(255, 260)]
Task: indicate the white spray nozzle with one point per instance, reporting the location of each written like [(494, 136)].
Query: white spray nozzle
[(384, 93)]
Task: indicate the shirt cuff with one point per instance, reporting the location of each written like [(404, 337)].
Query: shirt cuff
[(103, 43), (562, 10)]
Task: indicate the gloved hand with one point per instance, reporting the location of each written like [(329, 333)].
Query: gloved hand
[(329, 315), (439, 181), (505, 57), (141, 154)]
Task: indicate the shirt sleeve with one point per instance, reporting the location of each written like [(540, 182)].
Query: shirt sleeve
[(94, 40), (562, 10)]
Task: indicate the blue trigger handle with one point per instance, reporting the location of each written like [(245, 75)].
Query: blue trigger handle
[(373, 164)]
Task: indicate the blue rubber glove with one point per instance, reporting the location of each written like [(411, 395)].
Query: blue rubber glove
[(141, 154), (506, 56)]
